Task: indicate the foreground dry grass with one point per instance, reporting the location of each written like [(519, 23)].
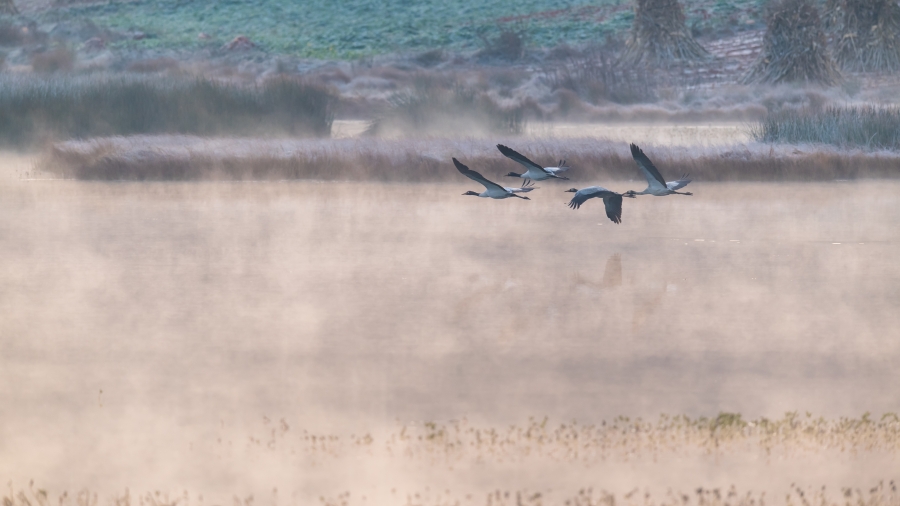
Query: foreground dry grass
[(881, 494), (428, 160)]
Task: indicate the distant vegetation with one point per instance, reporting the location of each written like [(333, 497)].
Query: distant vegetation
[(847, 127), (428, 160), (435, 107), (32, 110), (355, 28)]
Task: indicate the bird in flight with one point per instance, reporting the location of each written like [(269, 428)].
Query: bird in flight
[(534, 171), (492, 189), (656, 185), (611, 199)]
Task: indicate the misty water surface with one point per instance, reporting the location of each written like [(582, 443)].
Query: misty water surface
[(141, 322)]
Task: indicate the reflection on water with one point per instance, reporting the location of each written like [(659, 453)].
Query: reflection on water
[(142, 321)]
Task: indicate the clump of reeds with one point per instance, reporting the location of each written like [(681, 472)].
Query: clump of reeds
[(660, 35), (794, 47), (64, 107), (866, 34), (434, 107), (867, 127)]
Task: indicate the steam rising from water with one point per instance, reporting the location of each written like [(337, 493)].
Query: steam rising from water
[(155, 335)]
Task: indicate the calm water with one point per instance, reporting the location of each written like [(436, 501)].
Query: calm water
[(141, 322)]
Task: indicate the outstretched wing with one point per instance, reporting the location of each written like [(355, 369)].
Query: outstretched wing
[(613, 205), (584, 194), (518, 157), (679, 184), (654, 178), (471, 174), (524, 189)]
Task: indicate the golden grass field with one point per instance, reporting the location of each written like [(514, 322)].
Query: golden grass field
[(352, 343)]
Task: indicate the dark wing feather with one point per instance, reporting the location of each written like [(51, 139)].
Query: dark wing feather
[(646, 164), (583, 195), (518, 157), (613, 205), (471, 174)]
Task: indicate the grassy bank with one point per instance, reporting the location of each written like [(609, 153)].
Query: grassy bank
[(32, 110), (428, 160)]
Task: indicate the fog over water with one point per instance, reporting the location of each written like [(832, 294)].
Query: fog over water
[(151, 331)]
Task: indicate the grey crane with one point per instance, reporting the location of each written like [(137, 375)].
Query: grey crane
[(611, 199), (533, 171), (492, 189), (656, 185)]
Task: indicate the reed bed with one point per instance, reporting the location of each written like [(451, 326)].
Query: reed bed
[(429, 160), (881, 494), (624, 439), (619, 440), (866, 127), (33, 110)]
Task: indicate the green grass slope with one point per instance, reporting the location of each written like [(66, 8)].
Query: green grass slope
[(355, 28)]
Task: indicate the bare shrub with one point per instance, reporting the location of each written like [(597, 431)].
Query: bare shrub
[(659, 35), (866, 34), (794, 47)]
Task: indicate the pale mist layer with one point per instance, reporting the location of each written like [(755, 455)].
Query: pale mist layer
[(166, 336)]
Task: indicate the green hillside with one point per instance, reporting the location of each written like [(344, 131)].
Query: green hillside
[(354, 28)]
